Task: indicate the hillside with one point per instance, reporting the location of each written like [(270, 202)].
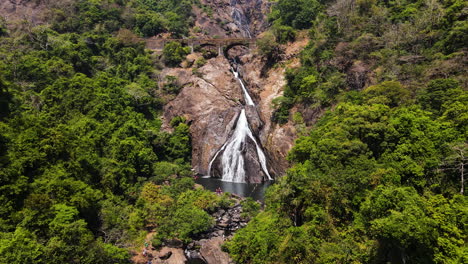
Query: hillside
[(357, 110)]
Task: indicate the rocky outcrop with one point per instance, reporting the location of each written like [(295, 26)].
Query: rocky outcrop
[(212, 99), (169, 255), (17, 10), (276, 139), (210, 103), (230, 18), (212, 253), (208, 246)]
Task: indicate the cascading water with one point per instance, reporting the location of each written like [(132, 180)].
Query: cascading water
[(232, 159), (240, 19), (248, 99)]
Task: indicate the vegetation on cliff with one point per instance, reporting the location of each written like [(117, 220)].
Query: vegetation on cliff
[(85, 169), (379, 178)]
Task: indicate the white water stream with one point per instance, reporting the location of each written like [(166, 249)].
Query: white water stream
[(247, 98), (232, 158), (240, 19)]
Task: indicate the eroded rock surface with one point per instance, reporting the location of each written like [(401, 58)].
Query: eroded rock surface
[(15, 11), (231, 18), (169, 255), (211, 103), (212, 253)]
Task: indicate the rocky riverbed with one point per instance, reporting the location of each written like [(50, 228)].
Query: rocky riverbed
[(206, 247)]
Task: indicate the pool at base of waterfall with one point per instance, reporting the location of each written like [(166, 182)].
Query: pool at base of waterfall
[(254, 190)]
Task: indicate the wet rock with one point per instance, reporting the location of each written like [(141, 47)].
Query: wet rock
[(255, 122), (223, 225), (253, 169), (276, 139), (195, 257)]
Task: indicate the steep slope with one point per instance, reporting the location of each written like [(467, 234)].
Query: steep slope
[(211, 98)]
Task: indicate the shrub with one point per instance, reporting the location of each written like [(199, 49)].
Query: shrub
[(283, 34), (268, 47), (174, 53)]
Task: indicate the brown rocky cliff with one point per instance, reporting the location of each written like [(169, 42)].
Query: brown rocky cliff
[(210, 103), (212, 99), (276, 139), (215, 18), (31, 11)]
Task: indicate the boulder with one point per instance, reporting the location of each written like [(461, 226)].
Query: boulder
[(212, 253), (175, 256)]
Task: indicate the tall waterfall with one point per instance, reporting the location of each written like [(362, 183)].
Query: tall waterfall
[(232, 159), (240, 19)]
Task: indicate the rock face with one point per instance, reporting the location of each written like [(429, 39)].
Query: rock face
[(210, 103), (212, 99), (277, 140), (16, 10), (212, 253), (231, 18), (169, 255)]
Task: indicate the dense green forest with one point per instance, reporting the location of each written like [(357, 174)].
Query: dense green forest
[(85, 170), (379, 178)]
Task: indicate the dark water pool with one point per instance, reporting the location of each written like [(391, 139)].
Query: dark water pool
[(254, 190)]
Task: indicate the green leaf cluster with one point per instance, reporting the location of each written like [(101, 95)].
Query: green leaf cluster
[(376, 180), (85, 169)]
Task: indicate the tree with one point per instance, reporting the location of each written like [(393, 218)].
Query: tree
[(457, 161), (20, 247), (439, 92), (390, 93), (269, 48), (298, 13), (174, 53)]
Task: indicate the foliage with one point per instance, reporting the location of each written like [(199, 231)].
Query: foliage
[(376, 180), (296, 13), (85, 170), (283, 34), (146, 18), (356, 45), (174, 53), (268, 47)]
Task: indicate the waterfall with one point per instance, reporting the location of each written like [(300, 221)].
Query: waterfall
[(240, 19), (232, 158), (248, 99)]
